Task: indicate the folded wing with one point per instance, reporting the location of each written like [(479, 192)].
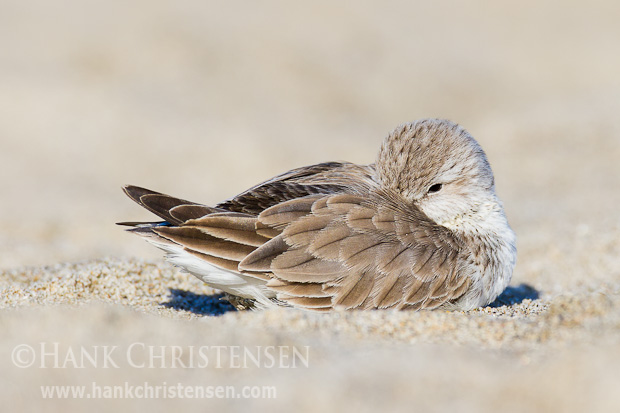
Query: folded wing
[(358, 251), (317, 237)]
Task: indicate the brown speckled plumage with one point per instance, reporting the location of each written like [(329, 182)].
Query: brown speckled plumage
[(420, 229)]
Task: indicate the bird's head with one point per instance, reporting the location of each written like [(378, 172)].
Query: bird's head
[(438, 166)]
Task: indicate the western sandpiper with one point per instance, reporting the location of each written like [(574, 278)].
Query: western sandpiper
[(421, 228)]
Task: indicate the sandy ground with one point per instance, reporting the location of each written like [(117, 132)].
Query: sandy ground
[(203, 99)]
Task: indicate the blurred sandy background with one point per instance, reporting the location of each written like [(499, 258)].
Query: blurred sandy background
[(202, 99)]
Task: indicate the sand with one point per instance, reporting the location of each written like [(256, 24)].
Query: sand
[(202, 100)]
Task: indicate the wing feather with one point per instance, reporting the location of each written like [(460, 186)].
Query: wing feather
[(388, 289), (352, 290), (297, 265), (304, 230), (326, 244), (262, 257), (281, 215), (158, 203), (231, 226), (362, 252), (297, 289), (187, 212), (323, 178), (195, 239), (307, 302)]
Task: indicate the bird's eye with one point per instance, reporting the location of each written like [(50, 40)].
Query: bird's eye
[(434, 188)]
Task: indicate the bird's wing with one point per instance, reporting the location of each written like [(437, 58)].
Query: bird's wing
[(224, 235), (215, 235), (174, 210), (323, 178), (352, 251)]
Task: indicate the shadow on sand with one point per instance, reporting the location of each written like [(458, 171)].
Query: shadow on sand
[(215, 305), (200, 304), (515, 295)]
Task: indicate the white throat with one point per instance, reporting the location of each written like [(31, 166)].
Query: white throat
[(492, 242)]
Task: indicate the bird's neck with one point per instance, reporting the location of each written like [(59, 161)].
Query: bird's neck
[(485, 231)]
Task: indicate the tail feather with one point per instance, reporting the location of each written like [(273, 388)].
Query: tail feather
[(143, 224), (208, 242), (162, 204)]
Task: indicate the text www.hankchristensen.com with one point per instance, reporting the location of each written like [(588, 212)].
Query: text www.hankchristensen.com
[(162, 391)]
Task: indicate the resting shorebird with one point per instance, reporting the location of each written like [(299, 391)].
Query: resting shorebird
[(422, 228)]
